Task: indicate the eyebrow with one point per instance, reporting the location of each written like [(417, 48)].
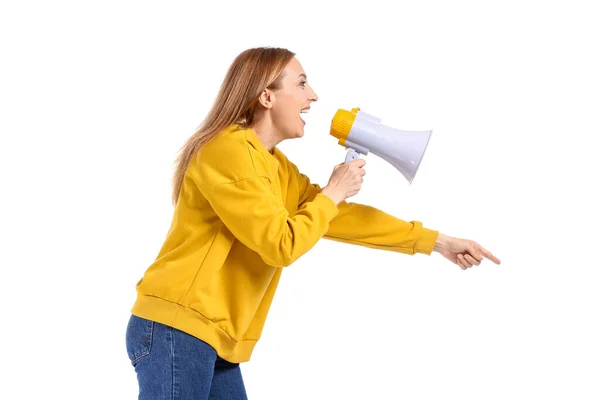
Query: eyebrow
[(303, 75)]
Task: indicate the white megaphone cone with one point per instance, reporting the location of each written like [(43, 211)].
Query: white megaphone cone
[(362, 133)]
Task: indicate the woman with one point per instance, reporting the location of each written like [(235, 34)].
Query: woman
[(243, 212)]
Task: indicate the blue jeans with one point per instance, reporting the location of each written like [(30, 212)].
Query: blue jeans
[(173, 365)]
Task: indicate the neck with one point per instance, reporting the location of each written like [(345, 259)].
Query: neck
[(267, 134)]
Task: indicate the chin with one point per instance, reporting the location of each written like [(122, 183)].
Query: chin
[(296, 133)]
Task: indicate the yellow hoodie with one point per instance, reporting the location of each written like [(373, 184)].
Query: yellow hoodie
[(243, 214)]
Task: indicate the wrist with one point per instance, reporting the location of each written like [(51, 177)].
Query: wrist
[(441, 243), (327, 191)]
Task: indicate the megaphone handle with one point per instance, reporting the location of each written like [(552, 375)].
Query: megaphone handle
[(351, 155)]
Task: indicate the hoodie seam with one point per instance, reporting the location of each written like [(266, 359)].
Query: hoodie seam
[(204, 316), (369, 243)]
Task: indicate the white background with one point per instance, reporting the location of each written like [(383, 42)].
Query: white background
[(97, 98)]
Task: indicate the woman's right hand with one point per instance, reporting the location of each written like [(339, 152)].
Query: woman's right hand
[(345, 181), (464, 253)]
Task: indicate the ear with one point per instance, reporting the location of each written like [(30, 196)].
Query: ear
[(267, 99)]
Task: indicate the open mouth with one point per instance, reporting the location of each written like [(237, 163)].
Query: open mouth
[(303, 111)]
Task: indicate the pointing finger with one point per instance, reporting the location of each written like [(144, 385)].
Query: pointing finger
[(489, 255)]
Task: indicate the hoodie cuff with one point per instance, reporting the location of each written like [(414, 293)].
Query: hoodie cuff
[(426, 242), (331, 209)]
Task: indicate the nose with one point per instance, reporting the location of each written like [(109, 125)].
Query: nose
[(313, 96)]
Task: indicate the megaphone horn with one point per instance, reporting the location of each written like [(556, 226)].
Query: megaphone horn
[(362, 133)]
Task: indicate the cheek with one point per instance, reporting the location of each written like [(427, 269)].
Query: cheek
[(286, 109), (282, 115)]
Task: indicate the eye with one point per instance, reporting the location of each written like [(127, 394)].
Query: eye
[(303, 83)]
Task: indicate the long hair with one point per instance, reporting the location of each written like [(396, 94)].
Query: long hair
[(251, 72)]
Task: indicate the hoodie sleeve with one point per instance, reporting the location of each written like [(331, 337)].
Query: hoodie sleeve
[(256, 216), (368, 226)]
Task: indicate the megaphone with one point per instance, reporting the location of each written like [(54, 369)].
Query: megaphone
[(362, 133)]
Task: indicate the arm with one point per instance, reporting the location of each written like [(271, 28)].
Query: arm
[(370, 227), (258, 218)]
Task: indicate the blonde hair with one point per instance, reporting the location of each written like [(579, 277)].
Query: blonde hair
[(250, 73)]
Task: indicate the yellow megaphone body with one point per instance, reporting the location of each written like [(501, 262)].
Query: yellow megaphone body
[(362, 133)]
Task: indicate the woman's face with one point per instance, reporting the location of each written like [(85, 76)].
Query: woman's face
[(291, 100)]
